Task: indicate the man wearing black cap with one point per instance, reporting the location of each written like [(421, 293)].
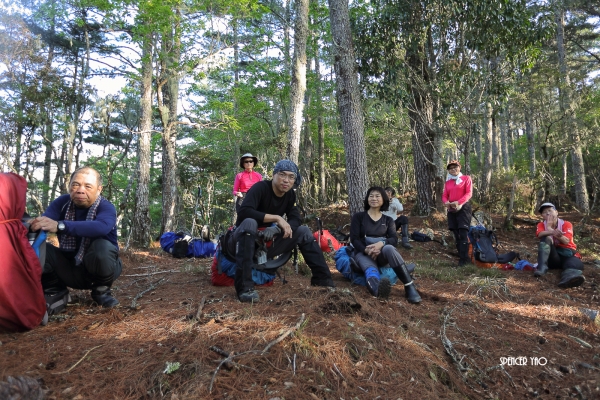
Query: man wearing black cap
[(265, 205), (557, 249)]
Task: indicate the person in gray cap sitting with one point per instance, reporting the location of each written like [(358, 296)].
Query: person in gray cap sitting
[(557, 248), (265, 206)]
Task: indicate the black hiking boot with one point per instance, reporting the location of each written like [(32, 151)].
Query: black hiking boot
[(404, 230), (103, 297), (385, 288), (409, 288), (249, 296), (571, 278)]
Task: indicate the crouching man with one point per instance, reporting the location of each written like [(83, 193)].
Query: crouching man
[(265, 205), (557, 249), (88, 252)]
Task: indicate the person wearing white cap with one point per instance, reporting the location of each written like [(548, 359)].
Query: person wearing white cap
[(245, 179), (557, 248), (457, 194)]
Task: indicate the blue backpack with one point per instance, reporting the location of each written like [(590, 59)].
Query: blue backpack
[(343, 265), (181, 245)]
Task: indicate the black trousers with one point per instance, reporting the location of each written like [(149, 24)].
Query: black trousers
[(302, 236), (401, 220), (556, 261), (100, 267)]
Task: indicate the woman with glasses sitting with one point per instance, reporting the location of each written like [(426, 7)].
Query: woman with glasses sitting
[(245, 179)]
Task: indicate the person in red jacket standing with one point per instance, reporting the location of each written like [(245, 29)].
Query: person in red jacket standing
[(458, 191), (557, 248), (245, 179)]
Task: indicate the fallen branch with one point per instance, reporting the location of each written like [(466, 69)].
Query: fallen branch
[(154, 273), (78, 362), (284, 335), (139, 295)]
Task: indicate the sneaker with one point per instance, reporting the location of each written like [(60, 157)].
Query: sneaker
[(103, 297), (56, 302), (249, 296), (373, 286), (385, 288)]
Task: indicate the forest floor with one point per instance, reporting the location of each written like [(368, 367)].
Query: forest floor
[(176, 336)]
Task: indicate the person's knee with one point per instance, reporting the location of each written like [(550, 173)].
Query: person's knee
[(248, 225), (573, 263), (304, 235), (547, 240), (463, 235), (403, 220), (101, 258)]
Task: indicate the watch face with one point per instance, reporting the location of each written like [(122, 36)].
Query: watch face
[(61, 226)]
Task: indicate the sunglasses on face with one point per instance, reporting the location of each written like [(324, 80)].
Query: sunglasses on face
[(248, 161)]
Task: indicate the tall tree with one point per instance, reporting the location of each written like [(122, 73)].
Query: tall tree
[(349, 103), (298, 85), (581, 193)]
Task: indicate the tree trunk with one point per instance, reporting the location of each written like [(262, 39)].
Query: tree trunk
[(577, 164), (168, 96), (298, 86), (496, 150), (141, 220), (486, 173), (349, 104), (504, 141), (320, 127), (529, 132)]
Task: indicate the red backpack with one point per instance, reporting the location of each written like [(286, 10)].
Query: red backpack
[(326, 241), (22, 303)]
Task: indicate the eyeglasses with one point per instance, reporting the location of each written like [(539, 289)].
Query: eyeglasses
[(248, 161), (290, 177)]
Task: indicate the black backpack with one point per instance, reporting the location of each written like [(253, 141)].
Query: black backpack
[(485, 244), (420, 237)]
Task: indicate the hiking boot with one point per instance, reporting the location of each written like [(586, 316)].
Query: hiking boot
[(249, 296), (571, 278), (373, 285), (543, 254), (385, 288), (409, 288), (103, 297), (463, 253), (56, 301), (404, 230)]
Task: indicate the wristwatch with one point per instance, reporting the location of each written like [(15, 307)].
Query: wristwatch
[(61, 226)]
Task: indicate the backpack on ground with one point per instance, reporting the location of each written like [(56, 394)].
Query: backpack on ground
[(327, 242), (264, 272), (420, 237), (181, 244), (485, 244), (343, 264)]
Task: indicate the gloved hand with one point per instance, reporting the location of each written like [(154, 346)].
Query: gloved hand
[(271, 231)]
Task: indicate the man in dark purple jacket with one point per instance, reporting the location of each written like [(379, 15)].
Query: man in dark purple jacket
[(265, 205), (88, 252)]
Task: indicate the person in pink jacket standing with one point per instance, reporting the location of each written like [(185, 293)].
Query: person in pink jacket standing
[(457, 193), (245, 179)]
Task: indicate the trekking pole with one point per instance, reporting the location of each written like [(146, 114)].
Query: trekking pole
[(196, 210)]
